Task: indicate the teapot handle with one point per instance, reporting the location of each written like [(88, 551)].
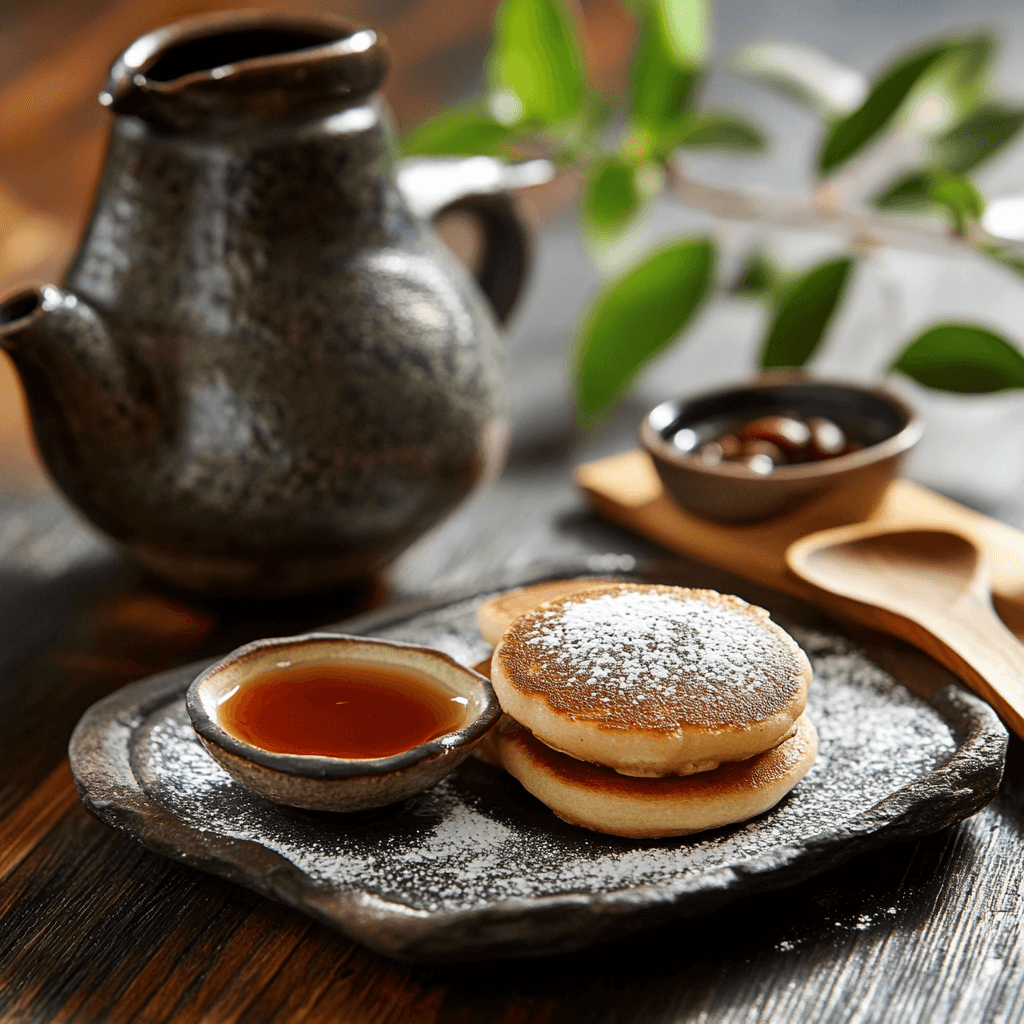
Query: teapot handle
[(480, 186)]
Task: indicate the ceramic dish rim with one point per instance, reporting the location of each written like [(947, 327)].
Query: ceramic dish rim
[(318, 766), (900, 442)]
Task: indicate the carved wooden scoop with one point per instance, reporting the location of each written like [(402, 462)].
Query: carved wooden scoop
[(933, 588)]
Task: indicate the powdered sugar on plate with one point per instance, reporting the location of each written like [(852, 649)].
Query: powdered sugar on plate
[(478, 839)]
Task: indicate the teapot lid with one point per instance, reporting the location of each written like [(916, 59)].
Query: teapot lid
[(243, 66)]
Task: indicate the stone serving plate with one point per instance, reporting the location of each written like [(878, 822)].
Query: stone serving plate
[(476, 867)]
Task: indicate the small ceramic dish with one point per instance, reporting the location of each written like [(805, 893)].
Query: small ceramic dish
[(324, 783), (729, 492)]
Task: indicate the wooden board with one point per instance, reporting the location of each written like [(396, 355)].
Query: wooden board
[(627, 489)]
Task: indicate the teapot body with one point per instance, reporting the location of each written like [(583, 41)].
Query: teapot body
[(310, 379)]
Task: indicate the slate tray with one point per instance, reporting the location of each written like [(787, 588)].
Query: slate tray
[(478, 868)]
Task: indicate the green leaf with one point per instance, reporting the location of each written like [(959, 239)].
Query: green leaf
[(805, 74), (686, 25), (951, 89), (760, 276), (458, 132), (635, 317), (803, 314), (611, 196), (960, 198), (975, 130), (664, 82), (1003, 256), (720, 130), (962, 147), (888, 92), (977, 137), (962, 358), (924, 190), (910, 192), (536, 56), (967, 66)]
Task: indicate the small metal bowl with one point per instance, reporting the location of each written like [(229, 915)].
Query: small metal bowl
[(331, 783), (731, 493)]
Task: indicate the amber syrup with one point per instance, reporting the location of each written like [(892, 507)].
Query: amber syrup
[(348, 711)]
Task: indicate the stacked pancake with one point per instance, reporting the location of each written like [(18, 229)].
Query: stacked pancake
[(648, 710)]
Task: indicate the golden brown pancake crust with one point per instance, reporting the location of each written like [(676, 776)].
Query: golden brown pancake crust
[(629, 656), (602, 800)]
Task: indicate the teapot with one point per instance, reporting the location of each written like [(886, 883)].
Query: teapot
[(264, 373)]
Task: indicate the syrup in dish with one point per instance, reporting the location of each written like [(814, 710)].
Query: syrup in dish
[(347, 711)]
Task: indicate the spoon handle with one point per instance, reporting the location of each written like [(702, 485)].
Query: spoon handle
[(980, 650)]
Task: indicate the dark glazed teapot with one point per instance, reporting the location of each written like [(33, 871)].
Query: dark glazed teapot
[(264, 373)]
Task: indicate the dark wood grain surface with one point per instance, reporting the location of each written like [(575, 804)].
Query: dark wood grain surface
[(94, 928)]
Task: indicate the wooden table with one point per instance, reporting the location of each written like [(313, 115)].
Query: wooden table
[(95, 928)]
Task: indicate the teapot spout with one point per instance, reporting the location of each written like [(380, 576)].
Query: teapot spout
[(55, 333), (75, 377)]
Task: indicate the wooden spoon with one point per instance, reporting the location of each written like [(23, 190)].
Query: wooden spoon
[(933, 588)]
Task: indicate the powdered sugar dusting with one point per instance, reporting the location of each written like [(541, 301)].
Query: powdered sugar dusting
[(478, 839), (654, 658)]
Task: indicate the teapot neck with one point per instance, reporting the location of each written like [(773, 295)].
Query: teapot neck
[(238, 67)]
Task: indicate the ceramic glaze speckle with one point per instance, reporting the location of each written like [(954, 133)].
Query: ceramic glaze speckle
[(264, 373)]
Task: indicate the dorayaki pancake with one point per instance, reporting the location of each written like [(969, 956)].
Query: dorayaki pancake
[(495, 616), (652, 680), (605, 801)]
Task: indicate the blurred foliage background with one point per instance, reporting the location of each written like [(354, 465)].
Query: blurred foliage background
[(894, 284), (921, 125)]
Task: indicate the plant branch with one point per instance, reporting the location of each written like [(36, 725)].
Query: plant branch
[(866, 229)]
